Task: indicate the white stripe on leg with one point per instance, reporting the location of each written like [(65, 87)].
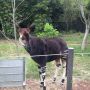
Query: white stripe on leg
[(56, 72), (64, 73)]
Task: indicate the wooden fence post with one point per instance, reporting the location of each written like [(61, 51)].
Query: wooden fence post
[(70, 68)]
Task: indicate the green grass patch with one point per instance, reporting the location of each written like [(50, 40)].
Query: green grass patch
[(77, 48), (82, 66), (73, 38), (31, 69), (10, 49)]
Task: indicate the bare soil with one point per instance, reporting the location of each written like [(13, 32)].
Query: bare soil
[(34, 85), (77, 85)]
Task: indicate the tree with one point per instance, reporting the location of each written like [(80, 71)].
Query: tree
[(86, 19)]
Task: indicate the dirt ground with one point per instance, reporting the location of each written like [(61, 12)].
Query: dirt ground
[(34, 85), (77, 85)]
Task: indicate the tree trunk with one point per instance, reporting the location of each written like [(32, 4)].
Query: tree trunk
[(83, 46), (14, 25), (84, 42)]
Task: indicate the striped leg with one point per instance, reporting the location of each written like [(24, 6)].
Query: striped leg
[(42, 73), (64, 65), (64, 71), (58, 67)]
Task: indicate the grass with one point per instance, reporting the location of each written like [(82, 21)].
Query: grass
[(9, 49), (77, 48), (82, 66), (75, 38), (31, 69), (81, 63)]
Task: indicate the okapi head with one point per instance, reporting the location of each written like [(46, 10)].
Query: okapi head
[(24, 34)]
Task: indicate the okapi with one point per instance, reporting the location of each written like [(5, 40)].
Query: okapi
[(38, 46)]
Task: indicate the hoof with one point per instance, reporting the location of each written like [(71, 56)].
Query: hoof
[(54, 80), (62, 81)]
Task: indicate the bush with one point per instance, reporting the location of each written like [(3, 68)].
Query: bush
[(49, 31)]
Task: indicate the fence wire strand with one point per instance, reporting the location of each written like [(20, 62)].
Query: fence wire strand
[(32, 56)]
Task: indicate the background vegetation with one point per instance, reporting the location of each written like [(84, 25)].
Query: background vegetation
[(63, 15)]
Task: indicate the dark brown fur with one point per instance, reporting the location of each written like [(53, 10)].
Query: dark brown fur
[(38, 46)]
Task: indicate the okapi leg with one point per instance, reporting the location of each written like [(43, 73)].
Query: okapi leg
[(64, 71), (64, 65), (58, 67), (42, 74)]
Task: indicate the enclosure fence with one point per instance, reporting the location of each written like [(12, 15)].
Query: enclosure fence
[(18, 83)]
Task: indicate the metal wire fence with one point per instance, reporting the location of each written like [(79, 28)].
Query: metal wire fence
[(81, 72)]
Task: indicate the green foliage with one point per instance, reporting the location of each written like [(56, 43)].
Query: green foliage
[(49, 31), (6, 17), (39, 12), (39, 21), (88, 6)]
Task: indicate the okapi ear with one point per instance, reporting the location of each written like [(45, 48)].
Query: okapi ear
[(32, 27)]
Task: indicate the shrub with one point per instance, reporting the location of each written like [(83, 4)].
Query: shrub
[(49, 31)]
